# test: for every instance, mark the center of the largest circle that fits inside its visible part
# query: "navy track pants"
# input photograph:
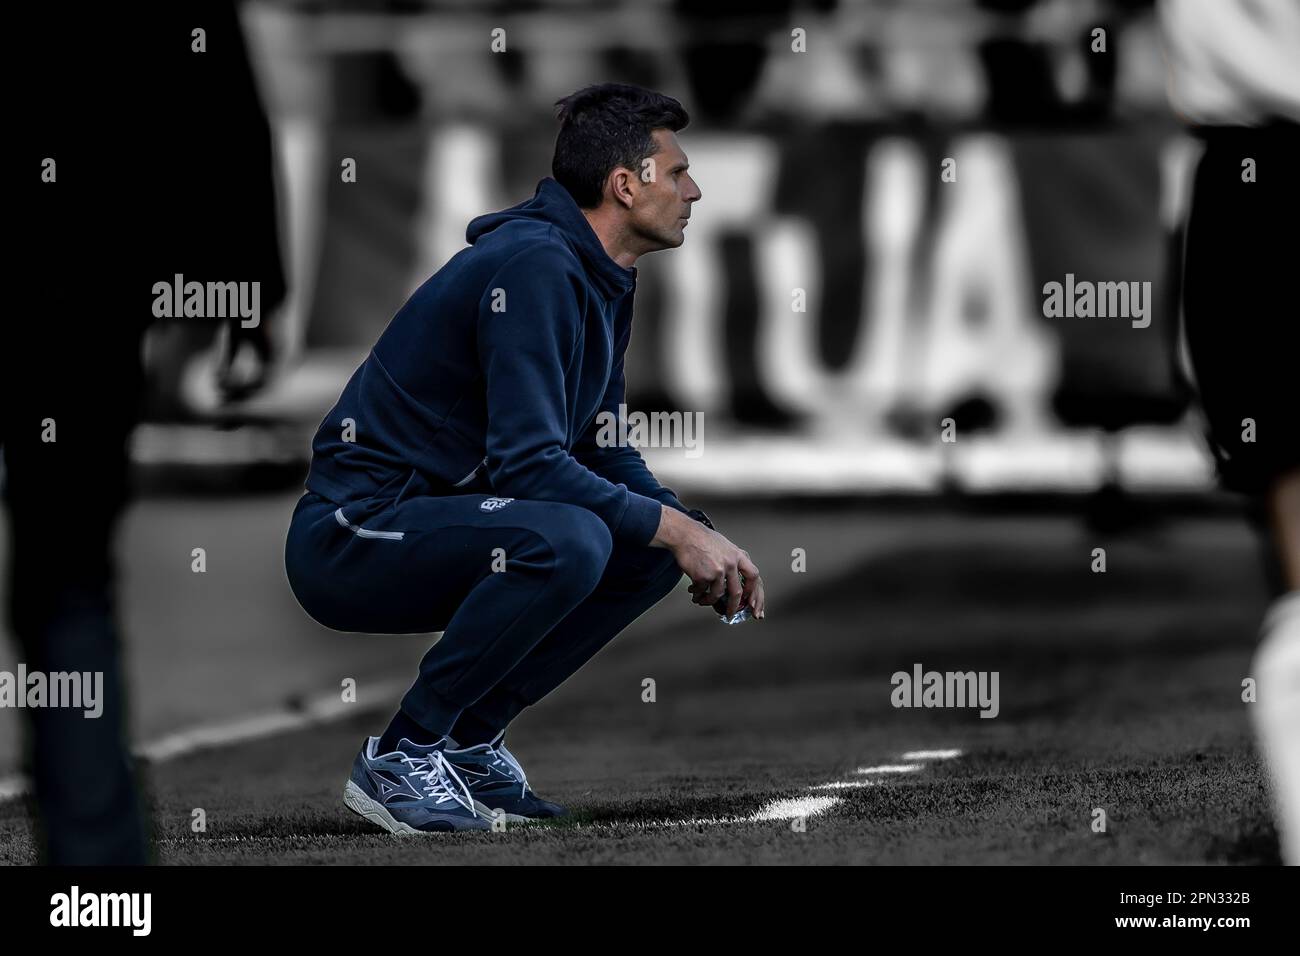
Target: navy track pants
(525, 592)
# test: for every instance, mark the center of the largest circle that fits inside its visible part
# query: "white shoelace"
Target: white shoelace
(515, 766)
(439, 775)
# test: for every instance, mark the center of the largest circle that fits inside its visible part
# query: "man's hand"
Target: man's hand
(713, 563)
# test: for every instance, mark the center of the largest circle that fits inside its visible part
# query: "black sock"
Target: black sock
(469, 730)
(402, 726)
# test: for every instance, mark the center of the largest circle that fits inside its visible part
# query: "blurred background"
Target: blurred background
(820, 172)
(819, 132)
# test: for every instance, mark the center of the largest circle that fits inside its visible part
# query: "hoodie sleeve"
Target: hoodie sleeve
(525, 351)
(620, 463)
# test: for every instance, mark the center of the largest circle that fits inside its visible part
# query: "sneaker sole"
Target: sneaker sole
(356, 800)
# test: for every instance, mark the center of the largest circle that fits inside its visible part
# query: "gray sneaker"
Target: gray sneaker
(497, 783)
(412, 790)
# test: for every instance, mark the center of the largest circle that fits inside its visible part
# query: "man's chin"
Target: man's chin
(670, 241)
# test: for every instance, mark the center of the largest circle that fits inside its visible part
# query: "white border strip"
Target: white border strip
(361, 532)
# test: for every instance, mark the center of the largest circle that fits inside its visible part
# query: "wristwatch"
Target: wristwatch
(701, 517)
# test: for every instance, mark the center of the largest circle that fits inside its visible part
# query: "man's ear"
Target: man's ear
(623, 186)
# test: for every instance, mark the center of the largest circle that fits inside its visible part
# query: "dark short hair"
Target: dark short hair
(604, 127)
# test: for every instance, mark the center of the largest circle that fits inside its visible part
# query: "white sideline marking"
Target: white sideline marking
(198, 738)
(787, 808)
(890, 768)
(329, 707)
(931, 754)
(322, 709)
(793, 807)
(911, 755)
(843, 785)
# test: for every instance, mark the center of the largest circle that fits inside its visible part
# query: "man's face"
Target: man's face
(664, 194)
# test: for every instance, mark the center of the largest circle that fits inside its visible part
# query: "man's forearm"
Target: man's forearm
(625, 466)
(675, 525)
(670, 532)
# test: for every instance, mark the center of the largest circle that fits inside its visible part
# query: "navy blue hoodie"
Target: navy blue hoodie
(489, 379)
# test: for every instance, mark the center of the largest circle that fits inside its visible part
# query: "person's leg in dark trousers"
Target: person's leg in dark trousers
(64, 498)
(63, 614)
(635, 580)
(497, 583)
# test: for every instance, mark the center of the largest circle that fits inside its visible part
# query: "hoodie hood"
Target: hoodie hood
(552, 204)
